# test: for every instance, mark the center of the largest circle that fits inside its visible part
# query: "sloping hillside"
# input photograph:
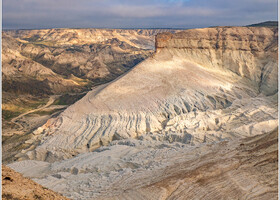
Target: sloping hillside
(63, 63)
(202, 85)
(16, 187)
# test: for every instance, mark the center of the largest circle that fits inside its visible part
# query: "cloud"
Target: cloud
(135, 13)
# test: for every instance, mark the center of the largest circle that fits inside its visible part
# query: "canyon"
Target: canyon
(196, 119)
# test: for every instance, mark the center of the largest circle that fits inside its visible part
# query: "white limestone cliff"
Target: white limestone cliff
(201, 85)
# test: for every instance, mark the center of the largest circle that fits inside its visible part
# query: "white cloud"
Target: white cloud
(134, 13)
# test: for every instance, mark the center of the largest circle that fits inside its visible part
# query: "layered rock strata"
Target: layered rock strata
(201, 85)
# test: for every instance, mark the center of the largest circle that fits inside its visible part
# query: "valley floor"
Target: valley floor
(17, 129)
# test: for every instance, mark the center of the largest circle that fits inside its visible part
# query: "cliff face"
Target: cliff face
(195, 120)
(249, 52)
(202, 85)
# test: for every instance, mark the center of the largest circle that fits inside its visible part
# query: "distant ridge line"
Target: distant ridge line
(261, 24)
(264, 24)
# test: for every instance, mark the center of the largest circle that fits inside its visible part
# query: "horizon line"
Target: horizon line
(174, 28)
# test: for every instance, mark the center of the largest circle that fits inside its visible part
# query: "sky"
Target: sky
(37, 14)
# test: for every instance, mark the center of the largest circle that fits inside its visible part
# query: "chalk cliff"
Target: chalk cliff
(247, 51)
(201, 85)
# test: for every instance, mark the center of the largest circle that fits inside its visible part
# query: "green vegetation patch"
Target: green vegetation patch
(68, 99)
(15, 107)
(8, 114)
(47, 112)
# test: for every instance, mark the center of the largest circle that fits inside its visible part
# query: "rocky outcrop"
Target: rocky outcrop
(202, 85)
(15, 186)
(248, 52)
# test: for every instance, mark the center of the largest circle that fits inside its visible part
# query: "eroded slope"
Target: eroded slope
(38, 64)
(202, 85)
(133, 169)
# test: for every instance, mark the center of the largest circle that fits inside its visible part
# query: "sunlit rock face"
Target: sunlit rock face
(201, 85)
(197, 120)
(249, 52)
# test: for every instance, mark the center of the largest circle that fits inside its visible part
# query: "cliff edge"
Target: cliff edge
(201, 85)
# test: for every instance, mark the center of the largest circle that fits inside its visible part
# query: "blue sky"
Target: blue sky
(32, 14)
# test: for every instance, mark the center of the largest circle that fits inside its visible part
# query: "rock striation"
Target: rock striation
(134, 169)
(40, 63)
(201, 85)
(37, 64)
(248, 52)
